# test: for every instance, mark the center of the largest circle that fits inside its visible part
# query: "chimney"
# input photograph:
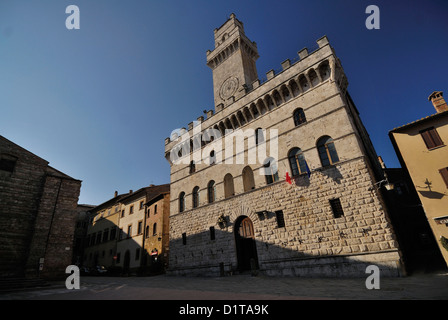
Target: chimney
(115, 194)
(438, 101)
(130, 191)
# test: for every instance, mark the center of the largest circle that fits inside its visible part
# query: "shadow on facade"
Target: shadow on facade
(417, 242)
(223, 253)
(120, 254)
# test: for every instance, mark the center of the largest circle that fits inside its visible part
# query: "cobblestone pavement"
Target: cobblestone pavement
(241, 287)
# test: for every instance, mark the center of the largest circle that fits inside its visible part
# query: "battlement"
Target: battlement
(296, 77)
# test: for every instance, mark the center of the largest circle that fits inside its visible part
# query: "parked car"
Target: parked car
(100, 270)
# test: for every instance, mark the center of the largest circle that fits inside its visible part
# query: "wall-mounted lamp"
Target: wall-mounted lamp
(222, 222)
(389, 186)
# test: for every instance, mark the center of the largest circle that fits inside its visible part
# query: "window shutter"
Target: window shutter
(444, 174)
(427, 138)
(435, 137)
(431, 138)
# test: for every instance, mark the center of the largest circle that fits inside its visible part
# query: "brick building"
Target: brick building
(37, 214)
(298, 193)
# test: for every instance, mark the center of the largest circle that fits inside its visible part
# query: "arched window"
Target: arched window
(154, 229)
(211, 191)
(195, 194)
(270, 170)
(297, 161)
(228, 186)
(299, 117)
(324, 70)
(182, 202)
(313, 77)
(303, 82)
(248, 179)
(327, 151)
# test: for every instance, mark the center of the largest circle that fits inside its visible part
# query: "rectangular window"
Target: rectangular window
(140, 227)
(106, 235)
(122, 213)
(7, 163)
(431, 138)
(280, 219)
(212, 233)
(129, 230)
(98, 237)
(444, 174)
(113, 232)
(184, 238)
(137, 254)
(92, 239)
(336, 207)
(131, 210)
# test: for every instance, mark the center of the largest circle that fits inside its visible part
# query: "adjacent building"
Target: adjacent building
(281, 177)
(157, 230)
(126, 232)
(38, 212)
(80, 236)
(422, 151)
(103, 232)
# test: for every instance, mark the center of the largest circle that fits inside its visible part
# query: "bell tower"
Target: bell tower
(232, 62)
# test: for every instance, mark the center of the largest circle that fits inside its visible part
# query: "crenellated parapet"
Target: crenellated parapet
(296, 78)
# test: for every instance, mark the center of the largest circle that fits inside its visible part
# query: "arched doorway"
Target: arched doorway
(246, 248)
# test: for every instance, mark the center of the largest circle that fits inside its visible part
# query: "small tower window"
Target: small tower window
(299, 117)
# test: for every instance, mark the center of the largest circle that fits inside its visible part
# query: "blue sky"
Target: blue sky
(98, 102)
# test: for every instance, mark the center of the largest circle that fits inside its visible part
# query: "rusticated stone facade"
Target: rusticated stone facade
(309, 204)
(37, 215)
(312, 241)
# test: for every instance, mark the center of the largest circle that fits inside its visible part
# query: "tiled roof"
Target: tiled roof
(433, 116)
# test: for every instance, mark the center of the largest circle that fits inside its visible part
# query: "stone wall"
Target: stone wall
(19, 198)
(37, 214)
(54, 228)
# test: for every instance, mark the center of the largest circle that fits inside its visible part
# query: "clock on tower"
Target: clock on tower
(232, 61)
